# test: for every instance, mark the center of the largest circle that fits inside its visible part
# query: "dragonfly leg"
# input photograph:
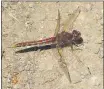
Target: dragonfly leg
(71, 47)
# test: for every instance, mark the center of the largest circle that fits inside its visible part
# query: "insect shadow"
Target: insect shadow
(46, 47)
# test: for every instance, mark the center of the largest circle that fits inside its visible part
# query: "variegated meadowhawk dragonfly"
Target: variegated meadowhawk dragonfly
(59, 40)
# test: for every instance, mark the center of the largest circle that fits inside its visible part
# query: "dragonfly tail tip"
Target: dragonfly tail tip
(14, 46)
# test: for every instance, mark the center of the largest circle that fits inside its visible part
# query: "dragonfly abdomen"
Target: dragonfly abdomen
(29, 43)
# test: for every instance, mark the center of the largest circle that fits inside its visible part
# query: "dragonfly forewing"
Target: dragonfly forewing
(68, 23)
(57, 25)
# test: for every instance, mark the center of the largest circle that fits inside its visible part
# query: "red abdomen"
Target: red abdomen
(29, 43)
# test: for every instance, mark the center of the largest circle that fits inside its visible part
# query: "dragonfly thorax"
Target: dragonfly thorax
(64, 39)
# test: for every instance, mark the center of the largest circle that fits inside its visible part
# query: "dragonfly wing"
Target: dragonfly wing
(58, 24)
(68, 24)
(81, 62)
(63, 64)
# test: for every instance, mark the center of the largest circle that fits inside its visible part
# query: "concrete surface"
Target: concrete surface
(27, 21)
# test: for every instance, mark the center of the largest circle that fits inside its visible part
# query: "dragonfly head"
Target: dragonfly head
(77, 39)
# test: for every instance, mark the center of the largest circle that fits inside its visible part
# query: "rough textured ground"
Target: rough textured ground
(23, 21)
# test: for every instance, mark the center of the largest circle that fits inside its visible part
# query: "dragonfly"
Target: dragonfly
(59, 40)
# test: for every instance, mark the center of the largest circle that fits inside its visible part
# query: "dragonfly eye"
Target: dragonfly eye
(76, 33)
(78, 40)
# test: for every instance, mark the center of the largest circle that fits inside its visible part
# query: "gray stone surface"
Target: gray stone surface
(26, 21)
